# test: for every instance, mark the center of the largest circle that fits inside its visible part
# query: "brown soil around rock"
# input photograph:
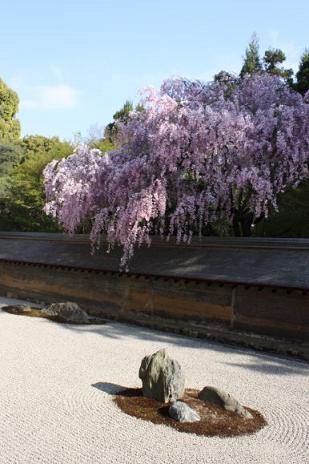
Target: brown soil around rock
(35, 312)
(214, 420)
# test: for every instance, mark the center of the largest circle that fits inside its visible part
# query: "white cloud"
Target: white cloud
(50, 97)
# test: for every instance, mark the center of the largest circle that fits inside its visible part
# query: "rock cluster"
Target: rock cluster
(163, 380)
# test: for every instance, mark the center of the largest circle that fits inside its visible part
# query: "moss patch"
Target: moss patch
(214, 420)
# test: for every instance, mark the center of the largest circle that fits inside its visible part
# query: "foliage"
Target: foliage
(123, 114)
(36, 144)
(252, 62)
(10, 155)
(224, 77)
(105, 145)
(270, 63)
(274, 57)
(9, 126)
(22, 202)
(302, 75)
(196, 155)
(292, 219)
(121, 117)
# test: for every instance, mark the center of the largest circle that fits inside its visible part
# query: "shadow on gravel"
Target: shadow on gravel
(107, 387)
(277, 366)
(262, 362)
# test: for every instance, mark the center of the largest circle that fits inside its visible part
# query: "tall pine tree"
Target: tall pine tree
(252, 62)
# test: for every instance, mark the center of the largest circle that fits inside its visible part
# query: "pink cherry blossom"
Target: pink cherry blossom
(198, 153)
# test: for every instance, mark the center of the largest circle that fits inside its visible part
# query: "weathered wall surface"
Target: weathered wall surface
(120, 296)
(258, 261)
(228, 309)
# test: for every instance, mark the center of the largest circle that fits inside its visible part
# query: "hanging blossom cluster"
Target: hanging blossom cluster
(195, 154)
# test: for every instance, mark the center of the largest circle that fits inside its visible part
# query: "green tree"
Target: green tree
(10, 155)
(302, 75)
(272, 59)
(252, 62)
(9, 125)
(224, 77)
(22, 202)
(271, 62)
(121, 116)
(95, 139)
(23, 198)
(292, 219)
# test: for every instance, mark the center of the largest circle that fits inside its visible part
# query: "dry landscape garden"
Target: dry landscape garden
(154, 278)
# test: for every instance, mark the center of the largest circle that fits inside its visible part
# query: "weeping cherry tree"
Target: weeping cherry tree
(197, 154)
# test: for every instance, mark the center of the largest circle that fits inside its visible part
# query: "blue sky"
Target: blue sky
(74, 63)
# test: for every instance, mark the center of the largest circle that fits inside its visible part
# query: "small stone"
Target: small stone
(162, 377)
(223, 400)
(181, 412)
(67, 312)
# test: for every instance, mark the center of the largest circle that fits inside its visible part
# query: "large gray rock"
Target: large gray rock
(181, 412)
(224, 400)
(67, 312)
(162, 377)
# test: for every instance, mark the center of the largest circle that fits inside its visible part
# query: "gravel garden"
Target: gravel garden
(64, 397)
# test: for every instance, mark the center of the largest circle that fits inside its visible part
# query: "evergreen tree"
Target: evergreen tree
(302, 75)
(224, 77)
(272, 59)
(121, 116)
(252, 62)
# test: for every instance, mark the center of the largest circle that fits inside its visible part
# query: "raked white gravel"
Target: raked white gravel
(56, 405)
